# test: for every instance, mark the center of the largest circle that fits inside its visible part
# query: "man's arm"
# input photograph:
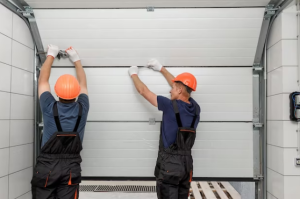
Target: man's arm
(141, 87)
(43, 84)
(169, 77)
(74, 57)
(155, 65)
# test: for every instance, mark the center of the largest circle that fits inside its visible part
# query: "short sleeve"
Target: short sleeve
(84, 100)
(46, 100)
(163, 103)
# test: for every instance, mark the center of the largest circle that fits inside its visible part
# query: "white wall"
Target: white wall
(16, 106)
(283, 177)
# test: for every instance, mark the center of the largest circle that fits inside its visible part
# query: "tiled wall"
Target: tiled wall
(283, 177)
(16, 106)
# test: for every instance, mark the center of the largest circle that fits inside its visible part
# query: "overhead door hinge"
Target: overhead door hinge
(151, 121)
(258, 125)
(28, 13)
(150, 9)
(259, 177)
(257, 67)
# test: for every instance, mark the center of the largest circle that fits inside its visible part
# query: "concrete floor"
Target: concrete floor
(91, 195)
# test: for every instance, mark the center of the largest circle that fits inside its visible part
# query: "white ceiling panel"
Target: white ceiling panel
(177, 37)
(143, 3)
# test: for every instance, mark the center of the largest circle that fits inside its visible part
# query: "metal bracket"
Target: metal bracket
(260, 177)
(151, 121)
(258, 125)
(28, 13)
(257, 67)
(270, 11)
(150, 9)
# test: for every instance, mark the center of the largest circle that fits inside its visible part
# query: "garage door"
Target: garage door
(217, 48)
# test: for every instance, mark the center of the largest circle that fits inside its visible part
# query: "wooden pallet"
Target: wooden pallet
(213, 190)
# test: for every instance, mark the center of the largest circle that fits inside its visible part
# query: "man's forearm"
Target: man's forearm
(139, 85)
(80, 73)
(46, 69)
(169, 77)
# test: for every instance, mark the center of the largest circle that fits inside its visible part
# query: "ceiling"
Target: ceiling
(144, 3)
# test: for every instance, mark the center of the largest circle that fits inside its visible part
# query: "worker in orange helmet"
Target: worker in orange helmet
(181, 115)
(57, 173)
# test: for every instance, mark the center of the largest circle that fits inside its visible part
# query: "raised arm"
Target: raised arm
(74, 57)
(141, 87)
(43, 84)
(155, 65)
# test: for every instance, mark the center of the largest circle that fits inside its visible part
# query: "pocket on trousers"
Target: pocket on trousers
(75, 176)
(40, 177)
(171, 177)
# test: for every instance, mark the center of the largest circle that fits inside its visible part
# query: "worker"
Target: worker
(181, 115)
(57, 173)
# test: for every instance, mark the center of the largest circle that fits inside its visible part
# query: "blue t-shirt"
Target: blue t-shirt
(169, 123)
(68, 114)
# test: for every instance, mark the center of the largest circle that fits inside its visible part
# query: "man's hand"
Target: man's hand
(52, 50)
(154, 64)
(133, 70)
(73, 55)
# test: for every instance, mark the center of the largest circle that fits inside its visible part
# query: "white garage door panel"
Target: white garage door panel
(225, 94)
(143, 3)
(181, 13)
(124, 37)
(130, 149)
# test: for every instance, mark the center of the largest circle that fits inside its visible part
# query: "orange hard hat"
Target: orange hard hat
(187, 79)
(67, 87)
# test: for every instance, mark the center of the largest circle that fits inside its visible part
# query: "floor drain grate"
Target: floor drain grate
(126, 188)
(87, 188)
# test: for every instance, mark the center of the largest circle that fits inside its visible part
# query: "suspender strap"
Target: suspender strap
(195, 117)
(176, 110)
(56, 118)
(79, 117)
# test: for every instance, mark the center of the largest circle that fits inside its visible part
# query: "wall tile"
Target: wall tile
(22, 82)
(21, 157)
(4, 157)
(4, 133)
(275, 184)
(4, 187)
(289, 79)
(21, 180)
(283, 53)
(278, 107)
(291, 187)
(21, 32)
(5, 49)
(4, 105)
(5, 21)
(275, 83)
(22, 56)
(289, 53)
(5, 77)
(282, 133)
(21, 132)
(289, 21)
(270, 196)
(275, 159)
(276, 31)
(26, 196)
(22, 107)
(282, 80)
